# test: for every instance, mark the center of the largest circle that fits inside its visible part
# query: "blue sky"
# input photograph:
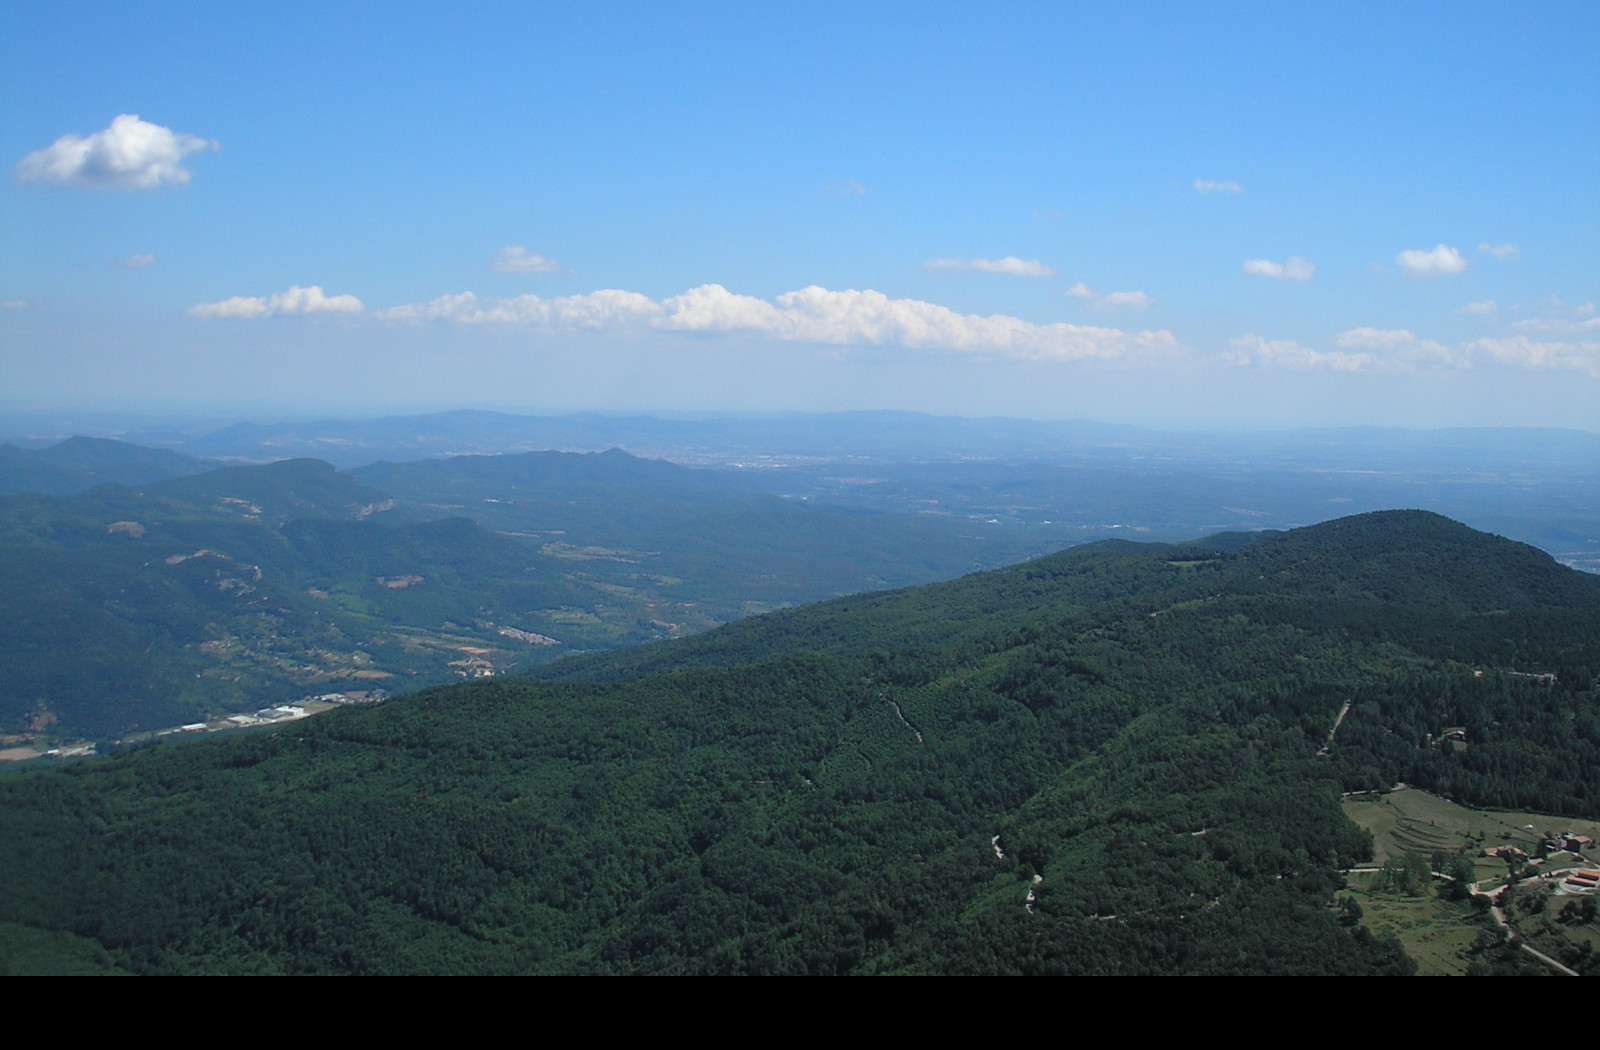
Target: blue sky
(1239, 215)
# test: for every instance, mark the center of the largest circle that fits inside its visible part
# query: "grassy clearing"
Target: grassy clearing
(1409, 819)
(1438, 933)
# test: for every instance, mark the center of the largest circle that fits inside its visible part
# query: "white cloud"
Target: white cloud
(296, 300)
(1123, 301)
(607, 308)
(1500, 251)
(1208, 186)
(1286, 353)
(844, 188)
(131, 154)
(514, 258)
(1111, 300)
(810, 315)
(1401, 347)
(136, 262)
(1293, 268)
(1443, 259)
(1482, 306)
(14, 304)
(819, 315)
(1521, 351)
(1011, 266)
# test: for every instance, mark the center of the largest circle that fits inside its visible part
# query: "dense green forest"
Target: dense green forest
(1111, 760)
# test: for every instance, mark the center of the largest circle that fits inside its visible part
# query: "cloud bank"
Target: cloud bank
(1293, 268)
(810, 315)
(1011, 266)
(131, 154)
(608, 308)
(295, 301)
(1391, 350)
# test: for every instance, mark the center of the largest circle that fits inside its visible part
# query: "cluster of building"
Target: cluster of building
(352, 696)
(473, 667)
(266, 716)
(1570, 842)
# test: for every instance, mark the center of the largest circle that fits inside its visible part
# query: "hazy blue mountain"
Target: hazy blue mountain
(80, 463)
(1065, 482)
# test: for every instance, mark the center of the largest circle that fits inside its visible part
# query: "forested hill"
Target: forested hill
(1394, 570)
(80, 463)
(1113, 760)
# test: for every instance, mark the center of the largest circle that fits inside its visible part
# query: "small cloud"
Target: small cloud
(1109, 301)
(844, 188)
(1443, 259)
(1124, 301)
(14, 304)
(1293, 268)
(1500, 251)
(514, 258)
(1482, 306)
(1208, 186)
(131, 154)
(296, 301)
(135, 262)
(1011, 266)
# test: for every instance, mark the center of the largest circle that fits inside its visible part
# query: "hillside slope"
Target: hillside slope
(1106, 761)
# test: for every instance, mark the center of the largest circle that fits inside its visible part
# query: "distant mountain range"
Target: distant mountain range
(1062, 482)
(145, 588)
